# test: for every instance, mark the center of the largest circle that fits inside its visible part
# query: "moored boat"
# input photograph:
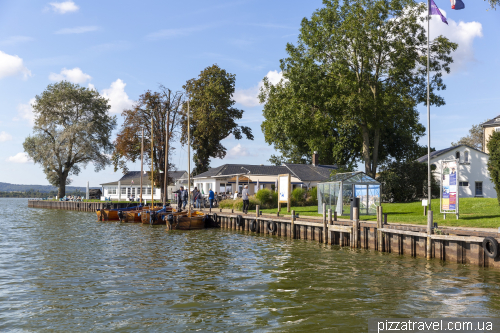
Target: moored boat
(119, 214)
(186, 221)
(156, 216)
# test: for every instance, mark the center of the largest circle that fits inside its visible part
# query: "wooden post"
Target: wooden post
(330, 217)
(355, 224)
(335, 216)
(257, 211)
(429, 233)
(379, 226)
(325, 225)
(293, 224)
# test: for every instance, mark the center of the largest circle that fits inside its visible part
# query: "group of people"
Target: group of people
(196, 195)
(72, 198)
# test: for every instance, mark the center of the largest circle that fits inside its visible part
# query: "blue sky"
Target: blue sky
(123, 48)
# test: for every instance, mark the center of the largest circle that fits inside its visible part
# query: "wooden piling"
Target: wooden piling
(429, 233)
(325, 227)
(379, 226)
(293, 224)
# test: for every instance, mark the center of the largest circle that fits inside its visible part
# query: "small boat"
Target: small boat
(119, 214)
(186, 221)
(156, 216)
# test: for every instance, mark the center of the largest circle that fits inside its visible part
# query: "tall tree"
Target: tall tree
(213, 116)
(354, 81)
(72, 128)
(494, 161)
(156, 106)
(474, 139)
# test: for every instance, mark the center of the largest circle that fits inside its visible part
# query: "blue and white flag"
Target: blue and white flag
(457, 4)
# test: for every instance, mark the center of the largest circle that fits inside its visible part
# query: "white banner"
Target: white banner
(449, 186)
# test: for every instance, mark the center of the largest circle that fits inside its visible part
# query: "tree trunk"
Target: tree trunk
(366, 148)
(62, 189)
(376, 141)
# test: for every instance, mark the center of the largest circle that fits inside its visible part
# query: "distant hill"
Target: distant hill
(6, 187)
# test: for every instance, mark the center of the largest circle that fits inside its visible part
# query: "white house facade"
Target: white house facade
(473, 176)
(129, 186)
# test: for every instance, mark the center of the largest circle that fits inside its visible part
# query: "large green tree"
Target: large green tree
(352, 84)
(164, 108)
(72, 128)
(213, 116)
(494, 161)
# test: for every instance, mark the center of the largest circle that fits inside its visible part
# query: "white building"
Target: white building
(229, 178)
(129, 186)
(473, 178)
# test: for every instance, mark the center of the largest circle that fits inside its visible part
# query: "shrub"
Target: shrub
(494, 161)
(226, 204)
(312, 196)
(298, 197)
(253, 202)
(265, 197)
(274, 200)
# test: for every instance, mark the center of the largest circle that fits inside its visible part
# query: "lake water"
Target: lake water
(62, 271)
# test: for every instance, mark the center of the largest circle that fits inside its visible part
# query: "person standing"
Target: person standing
(196, 198)
(246, 201)
(179, 198)
(185, 197)
(211, 197)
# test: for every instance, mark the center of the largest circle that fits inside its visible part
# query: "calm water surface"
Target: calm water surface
(61, 271)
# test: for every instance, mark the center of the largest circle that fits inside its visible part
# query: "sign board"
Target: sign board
(449, 186)
(284, 184)
(424, 202)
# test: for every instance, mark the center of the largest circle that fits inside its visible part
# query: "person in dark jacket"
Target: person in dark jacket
(179, 198)
(246, 201)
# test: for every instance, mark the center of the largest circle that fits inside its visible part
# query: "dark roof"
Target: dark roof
(136, 177)
(436, 153)
(492, 122)
(304, 172)
(309, 172)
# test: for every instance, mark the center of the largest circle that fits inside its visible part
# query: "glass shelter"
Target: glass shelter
(341, 187)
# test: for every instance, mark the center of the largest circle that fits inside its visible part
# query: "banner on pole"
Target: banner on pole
(449, 186)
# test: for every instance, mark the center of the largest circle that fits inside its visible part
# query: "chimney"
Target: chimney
(315, 158)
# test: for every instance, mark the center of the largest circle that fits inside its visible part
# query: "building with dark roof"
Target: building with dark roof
(228, 178)
(128, 186)
(473, 176)
(489, 128)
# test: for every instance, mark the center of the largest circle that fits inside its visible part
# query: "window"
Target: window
(123, 190)
(466, 157)
(479, 189)
(148, 190)
(463, 184)
(497, 129)
(111, 190)
(457, 155)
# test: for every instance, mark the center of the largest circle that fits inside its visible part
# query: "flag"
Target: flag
(457, 4)
(434, 10)
(132, 181)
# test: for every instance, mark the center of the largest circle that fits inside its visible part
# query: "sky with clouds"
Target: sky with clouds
(123, 48)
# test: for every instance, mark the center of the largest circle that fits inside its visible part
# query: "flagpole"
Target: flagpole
(428, 111)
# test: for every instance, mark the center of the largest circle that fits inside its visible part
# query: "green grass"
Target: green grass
(474, 213)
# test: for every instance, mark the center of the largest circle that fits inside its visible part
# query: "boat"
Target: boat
(156, 216)
(129, 214)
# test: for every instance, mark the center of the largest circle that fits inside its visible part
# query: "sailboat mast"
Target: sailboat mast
(165, 180)
(152, 167)
(142, 158)
(189, 163)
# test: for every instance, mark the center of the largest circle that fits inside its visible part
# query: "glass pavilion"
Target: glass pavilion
(346, 186)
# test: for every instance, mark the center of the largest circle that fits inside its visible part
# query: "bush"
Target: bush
(312, 196)
(265, 197)
(253, 202)
(226, 204)
(494, 161)
(298, 197)
(406, 182)
(274, 200)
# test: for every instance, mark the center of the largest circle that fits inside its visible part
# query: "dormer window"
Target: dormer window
(497, 120)
(457, 155)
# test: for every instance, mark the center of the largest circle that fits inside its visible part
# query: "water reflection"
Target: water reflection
(63, 271)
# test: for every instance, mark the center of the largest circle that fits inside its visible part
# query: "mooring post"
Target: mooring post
(379, 226)
(330, 218)
(355, 225)
(429, 233)
(293, 224)
(257, 209)
(325, 231)
(335, 216)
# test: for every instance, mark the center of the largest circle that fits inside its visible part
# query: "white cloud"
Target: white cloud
(248, 97)
(4, 136)
(237, 151)
(77, 30)
(64, 7)
(19, 158)
(462, 33)
(74, 75)
(11, 65)
(117, 96)
(25, 112)
(16, 39)
(92, 87)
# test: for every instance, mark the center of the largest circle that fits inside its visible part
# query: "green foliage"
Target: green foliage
(474, 139)
(299, 196)
(238, 203)
(354, 81)
(494, 161)
(265, 197)
(72, 128)
(406, 182)
(312, 197)
(212, 116)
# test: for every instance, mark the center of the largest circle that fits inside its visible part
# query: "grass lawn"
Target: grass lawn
(474, 213)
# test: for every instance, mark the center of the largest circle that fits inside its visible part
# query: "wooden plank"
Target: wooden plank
(339, 228)
(459, 238)
(403, 232)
